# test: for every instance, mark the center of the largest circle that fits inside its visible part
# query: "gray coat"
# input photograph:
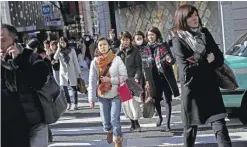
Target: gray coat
(68, 72)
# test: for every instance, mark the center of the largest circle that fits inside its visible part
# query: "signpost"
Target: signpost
(46, 10)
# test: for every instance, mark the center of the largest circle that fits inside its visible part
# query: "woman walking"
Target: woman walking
(198, 56)
(107, 71)
(140, 42)
(55, 63)
(157, 62)
(69, 69)
(132, 60)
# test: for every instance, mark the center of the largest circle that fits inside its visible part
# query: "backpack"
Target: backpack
(52, 99)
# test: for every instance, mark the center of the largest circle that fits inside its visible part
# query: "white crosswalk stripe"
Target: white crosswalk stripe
(95, 127)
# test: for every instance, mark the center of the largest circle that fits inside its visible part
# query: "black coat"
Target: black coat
(201, 98)
(14, 125)
(29, 74)
(161, 82)
(132, 60)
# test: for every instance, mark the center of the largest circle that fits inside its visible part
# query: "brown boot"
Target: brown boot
(109, 136)
(117, 141)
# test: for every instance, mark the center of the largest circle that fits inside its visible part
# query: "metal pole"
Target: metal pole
(222, 26)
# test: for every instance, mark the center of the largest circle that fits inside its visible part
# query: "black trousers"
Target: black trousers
(75, 95)
(167, 98)
(220, 131)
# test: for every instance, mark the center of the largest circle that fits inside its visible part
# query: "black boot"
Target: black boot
(133, 126)
(137, 125)
(50, 137)
(168, 115)
(159, 122)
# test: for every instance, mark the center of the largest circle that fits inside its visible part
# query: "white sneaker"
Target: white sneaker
(69, 106)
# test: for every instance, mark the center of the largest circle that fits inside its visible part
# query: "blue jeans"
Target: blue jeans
(110, 110)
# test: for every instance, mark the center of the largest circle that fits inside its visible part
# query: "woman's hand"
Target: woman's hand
(210, 57)
(92, 104)
(53, 62)
(147, 85)
(105, 79)
(168, 58)
(137, 81)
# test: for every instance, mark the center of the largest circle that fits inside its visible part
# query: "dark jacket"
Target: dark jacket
(132, 61)
(201, 98)
(14, 125)
(158, 81)
(29, 76)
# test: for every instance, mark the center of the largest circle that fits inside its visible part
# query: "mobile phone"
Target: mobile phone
(192, 59)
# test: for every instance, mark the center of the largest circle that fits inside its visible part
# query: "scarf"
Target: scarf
(196, 40)
(102, 63)
(153, 54)
(65, 52)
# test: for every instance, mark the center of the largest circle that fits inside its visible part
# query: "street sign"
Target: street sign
(46, 10)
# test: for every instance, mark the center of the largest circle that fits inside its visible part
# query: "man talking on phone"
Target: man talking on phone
(22, 119)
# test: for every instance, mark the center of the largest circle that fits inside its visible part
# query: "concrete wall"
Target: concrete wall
(161, 14)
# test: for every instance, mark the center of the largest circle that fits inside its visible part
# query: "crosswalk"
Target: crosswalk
(84, 128)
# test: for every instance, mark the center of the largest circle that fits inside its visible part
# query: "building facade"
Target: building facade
(27, 17)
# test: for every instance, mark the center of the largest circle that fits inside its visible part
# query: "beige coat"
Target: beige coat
(68, 72)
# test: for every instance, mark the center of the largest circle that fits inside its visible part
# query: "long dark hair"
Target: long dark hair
(182, 14)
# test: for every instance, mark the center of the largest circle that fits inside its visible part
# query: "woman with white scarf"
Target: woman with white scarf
(69, 69)
(197, 56)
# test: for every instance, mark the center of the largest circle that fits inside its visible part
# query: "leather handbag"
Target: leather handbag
(123, 91)
(226, 78)
(81, 87)
(52, 99)
(134, 87)
(148, 107)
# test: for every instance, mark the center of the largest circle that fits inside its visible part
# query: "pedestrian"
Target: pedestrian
(34, 45)
(83, 65)
(131, 58)
(55, 63)
(198, 56)
(89, 49)
(47, 48)
(140, 42)
(157, 61)
(22, 122)
(107, 71)
(114, 41)
(69, 69)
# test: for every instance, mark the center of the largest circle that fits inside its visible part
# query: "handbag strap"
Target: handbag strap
(106, 70)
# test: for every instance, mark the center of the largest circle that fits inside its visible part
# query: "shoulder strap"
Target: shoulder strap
(107, 69)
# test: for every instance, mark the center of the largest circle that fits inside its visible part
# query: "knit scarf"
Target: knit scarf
(157, 57)
(65, 52)
(102, 63)
(195, 41)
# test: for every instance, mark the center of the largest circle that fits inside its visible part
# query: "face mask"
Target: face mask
(87, 39)
(139, 42)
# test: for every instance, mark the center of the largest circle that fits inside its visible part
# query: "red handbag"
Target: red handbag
(124, 91)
